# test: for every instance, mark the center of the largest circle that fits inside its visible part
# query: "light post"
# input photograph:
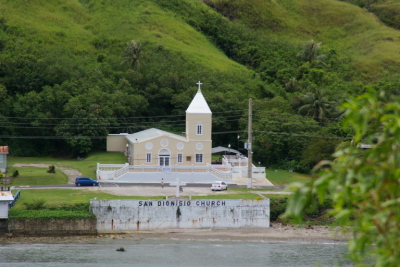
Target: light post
(238, 137)
(229, 154)
(127, 153)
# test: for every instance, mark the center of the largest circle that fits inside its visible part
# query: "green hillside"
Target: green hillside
(342, 27)
(73, 71)
(91, 26)
(388, 11)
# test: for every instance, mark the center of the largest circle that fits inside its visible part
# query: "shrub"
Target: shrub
(52, 169)
(15, 173)
(36, 204)
(81, 207)
(277, 208)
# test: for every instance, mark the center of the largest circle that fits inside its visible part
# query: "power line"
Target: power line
(214, 133)
(96, 118)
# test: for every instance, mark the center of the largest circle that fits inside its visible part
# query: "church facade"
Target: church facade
(155, 147)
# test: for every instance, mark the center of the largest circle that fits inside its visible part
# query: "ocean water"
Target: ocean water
(170, 252)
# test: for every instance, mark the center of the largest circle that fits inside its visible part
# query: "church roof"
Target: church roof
(219, 149)
(198, 105)
(150, 134)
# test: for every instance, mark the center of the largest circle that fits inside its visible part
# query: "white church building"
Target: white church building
(154, 154)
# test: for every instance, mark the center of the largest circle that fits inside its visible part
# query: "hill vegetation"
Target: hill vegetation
(388, 11)
(73, 71)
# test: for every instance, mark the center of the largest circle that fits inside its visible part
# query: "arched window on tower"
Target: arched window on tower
(199, 128)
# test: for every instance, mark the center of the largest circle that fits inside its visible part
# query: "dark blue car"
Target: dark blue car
(83, 180)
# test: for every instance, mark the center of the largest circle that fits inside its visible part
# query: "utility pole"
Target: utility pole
(249, 141)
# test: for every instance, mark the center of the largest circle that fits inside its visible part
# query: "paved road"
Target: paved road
(152, 189)
(113, 185)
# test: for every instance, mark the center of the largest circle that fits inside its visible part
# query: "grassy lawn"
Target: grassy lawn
(37, 176)
(87, 166)
(275, 196)
(72, 196)
(239, 195)
(283, 177)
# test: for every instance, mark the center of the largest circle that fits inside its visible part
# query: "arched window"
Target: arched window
(199, 128)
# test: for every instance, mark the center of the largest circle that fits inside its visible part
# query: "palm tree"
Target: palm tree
(317, 106)
(131, 53)
(310, 53)
(292, 85)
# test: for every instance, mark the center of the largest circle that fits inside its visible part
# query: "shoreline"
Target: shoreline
(276, 233)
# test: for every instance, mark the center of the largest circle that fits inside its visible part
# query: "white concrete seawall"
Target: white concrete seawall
(136, 215)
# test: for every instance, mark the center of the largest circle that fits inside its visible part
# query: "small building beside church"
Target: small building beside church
(157, 147)
(3, 158)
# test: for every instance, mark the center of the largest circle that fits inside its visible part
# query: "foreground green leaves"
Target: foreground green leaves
(364, 184)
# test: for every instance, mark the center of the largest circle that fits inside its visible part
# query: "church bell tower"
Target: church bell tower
(199, 124)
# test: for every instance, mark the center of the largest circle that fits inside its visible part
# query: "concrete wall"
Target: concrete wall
(4, 209)
(136, 215)
(52, 227)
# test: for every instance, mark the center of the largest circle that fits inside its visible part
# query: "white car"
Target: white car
(219, 186)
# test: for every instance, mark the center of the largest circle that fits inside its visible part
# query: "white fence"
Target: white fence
(232, 167)
(239, 168)
(113, 171)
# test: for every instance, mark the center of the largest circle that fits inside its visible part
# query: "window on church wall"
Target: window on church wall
(180, 158)
(199, 158)
(148, 157)
(199, 129)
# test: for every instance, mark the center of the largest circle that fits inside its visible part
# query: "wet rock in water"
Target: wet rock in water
(121, 249)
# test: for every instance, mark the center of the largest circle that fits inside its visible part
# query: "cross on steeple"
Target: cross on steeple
(199, 83)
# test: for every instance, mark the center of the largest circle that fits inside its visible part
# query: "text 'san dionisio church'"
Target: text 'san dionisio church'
(154, 154)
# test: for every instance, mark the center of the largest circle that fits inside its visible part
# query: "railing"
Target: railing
(220, 174)
(228, 170)
(236, 161)
(111, 171)
(16, 197)
(169, 169)
(110, 167)
(121, 171)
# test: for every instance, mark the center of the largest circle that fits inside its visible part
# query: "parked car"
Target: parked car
(218, 185)
(83, 180)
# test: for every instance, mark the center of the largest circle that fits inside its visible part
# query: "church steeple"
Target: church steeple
(198, 118)
(199, 104)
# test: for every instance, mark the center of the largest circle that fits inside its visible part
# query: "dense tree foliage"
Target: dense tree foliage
(364, 184)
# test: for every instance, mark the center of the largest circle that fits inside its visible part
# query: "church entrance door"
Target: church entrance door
(164, 157)
(164, 160)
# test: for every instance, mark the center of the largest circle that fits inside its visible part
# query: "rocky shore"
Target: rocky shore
(276, 233)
